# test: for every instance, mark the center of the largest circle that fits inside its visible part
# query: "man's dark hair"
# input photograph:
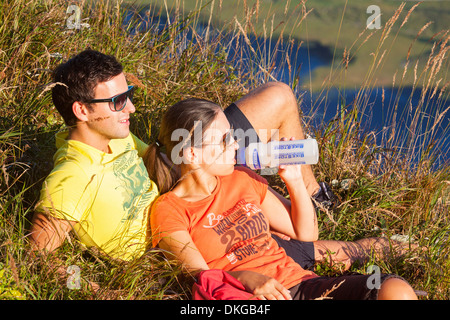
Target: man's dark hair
(78, 78)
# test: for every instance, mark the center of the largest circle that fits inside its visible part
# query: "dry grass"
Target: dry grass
(400, 183)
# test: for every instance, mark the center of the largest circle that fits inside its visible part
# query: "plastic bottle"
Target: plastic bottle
(275, 153)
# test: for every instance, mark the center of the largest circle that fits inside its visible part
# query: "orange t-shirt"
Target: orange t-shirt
(229, 228)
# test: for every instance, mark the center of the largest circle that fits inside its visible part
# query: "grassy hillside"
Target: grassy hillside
(382, 192)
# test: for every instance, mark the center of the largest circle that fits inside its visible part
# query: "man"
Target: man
(99, 187)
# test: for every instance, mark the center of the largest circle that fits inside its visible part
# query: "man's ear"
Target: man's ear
(80, 110)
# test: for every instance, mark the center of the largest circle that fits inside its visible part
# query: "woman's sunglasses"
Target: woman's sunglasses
(118, 102)
(227, 140)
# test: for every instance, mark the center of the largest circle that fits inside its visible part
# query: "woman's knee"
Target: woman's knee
(396, 289)
(274, 97)
(282, 96)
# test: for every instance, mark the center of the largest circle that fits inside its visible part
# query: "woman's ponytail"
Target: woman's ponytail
(160, 169)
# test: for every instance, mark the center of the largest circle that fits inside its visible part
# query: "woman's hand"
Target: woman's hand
(290, 173)
(301, 221)
(263, 287)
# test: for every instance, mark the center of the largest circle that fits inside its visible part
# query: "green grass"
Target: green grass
(389, 193)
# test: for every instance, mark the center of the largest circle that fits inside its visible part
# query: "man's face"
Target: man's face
(105, 124)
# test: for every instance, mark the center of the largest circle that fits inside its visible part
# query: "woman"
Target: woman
(217, 216)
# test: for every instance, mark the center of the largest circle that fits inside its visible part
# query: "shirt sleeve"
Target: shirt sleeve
(65, 193)
(166, 218)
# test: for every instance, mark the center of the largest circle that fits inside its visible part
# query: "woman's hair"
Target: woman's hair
(185, 115)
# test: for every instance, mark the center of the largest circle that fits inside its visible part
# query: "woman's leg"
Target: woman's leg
(345, 253)
(396, 289)
(354, 287)
(339, 253)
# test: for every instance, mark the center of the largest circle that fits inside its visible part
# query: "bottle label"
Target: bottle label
(294, 163)
(288, 146)
(256, 163)
(289, 155)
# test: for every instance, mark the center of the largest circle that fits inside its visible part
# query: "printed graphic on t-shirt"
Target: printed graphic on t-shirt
(135, 183)
(243, 229)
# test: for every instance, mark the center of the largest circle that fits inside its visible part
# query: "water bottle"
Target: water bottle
(260, 155)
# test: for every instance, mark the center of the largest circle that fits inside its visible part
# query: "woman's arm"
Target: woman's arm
(180, 245)
(297, 218)
(303, 214)
(263, 287)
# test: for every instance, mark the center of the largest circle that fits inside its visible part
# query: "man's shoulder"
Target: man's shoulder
(84, 160)
(72, 156)
(67, 171)
(72, 159)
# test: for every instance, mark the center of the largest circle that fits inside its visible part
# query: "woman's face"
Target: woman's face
(218, 149)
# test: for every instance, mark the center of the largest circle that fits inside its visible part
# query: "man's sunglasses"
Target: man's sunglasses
(117, 103)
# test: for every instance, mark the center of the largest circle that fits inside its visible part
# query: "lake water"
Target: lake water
(376, 115)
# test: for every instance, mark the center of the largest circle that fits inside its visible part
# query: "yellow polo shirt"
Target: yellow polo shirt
(108, 194)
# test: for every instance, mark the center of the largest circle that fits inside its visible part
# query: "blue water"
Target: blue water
(375, 114)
